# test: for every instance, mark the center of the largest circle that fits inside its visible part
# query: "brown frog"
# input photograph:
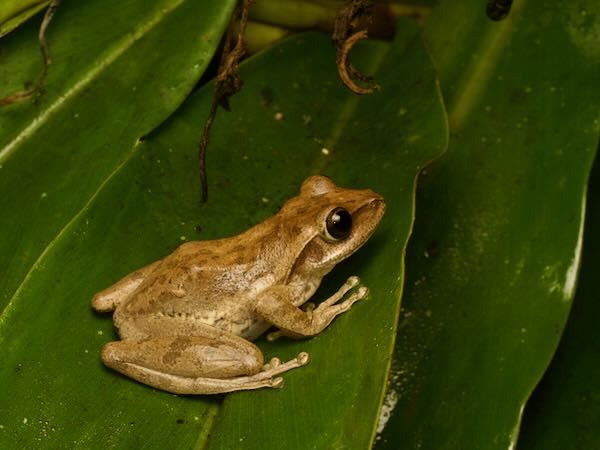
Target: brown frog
(186, 322)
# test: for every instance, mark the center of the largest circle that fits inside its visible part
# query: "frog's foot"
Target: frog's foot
(350, 283)
(276, 367)
(311, 308)
(297, 324)
(330, 311)
(360, 293)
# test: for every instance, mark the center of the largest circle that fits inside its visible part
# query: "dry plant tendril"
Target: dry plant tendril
(344, 37)
(227, 83)
(22, 95)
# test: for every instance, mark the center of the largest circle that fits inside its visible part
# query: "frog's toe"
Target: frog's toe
(303, 358)
(274, 335)
(362, 292)
(359, 294)
(275, 362)
(277, 383)
(353, 281)
(280, 367)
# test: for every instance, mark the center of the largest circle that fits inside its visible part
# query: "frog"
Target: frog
(187, 322)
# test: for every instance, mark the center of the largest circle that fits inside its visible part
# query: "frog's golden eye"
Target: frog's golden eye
(338, 224)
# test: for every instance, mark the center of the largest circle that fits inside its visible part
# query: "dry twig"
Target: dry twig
(22, 95)
(227, 83)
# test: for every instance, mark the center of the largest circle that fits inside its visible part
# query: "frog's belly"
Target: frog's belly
(244, 325)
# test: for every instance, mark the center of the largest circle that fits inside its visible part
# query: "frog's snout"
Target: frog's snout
(376, 205)
(367, 216)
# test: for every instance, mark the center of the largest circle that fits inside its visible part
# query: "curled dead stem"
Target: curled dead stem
(347, 71)
(22, 95)
(345, 37)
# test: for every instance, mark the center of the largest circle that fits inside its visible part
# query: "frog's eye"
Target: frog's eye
(338, 224)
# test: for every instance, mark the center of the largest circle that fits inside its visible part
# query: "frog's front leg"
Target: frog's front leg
(196, 364)
(277, 306)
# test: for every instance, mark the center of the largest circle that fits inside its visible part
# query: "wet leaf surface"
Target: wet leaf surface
(118, 70)
(55, 390)
(13, 13)
(564, 409)
(492, 264)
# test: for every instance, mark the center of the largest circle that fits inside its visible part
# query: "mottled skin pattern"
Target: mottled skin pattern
(186, 321)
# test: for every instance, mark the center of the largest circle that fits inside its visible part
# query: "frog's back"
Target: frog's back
(212, 281)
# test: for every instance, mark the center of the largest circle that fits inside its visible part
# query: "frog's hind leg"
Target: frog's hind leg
(108, 299)
(196, 364)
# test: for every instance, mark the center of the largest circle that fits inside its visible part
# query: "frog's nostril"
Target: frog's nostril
(378, 204)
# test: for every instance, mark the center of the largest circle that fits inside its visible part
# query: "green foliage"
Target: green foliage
(13, 13)
(564, 409)
(491, 264)
(493, 260)
(112, 81)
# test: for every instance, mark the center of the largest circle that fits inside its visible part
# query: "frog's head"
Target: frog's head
(335, 222)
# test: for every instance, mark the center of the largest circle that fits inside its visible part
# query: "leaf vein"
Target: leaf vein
(108, 58)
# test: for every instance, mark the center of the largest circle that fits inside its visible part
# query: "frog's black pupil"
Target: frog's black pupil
(339, 223)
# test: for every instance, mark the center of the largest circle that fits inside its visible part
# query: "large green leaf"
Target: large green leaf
(492, 266)
(564, 409)
(119, 69)
(54, 390)
(381, 141)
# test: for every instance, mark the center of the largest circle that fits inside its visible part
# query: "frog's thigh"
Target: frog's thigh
(187, 356)
(195, 365)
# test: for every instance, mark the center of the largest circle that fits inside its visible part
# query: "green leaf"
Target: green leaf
(380, 141)
(15, 12)
(119, 69)
(54, 389)
(492, 265)
(564, 409)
